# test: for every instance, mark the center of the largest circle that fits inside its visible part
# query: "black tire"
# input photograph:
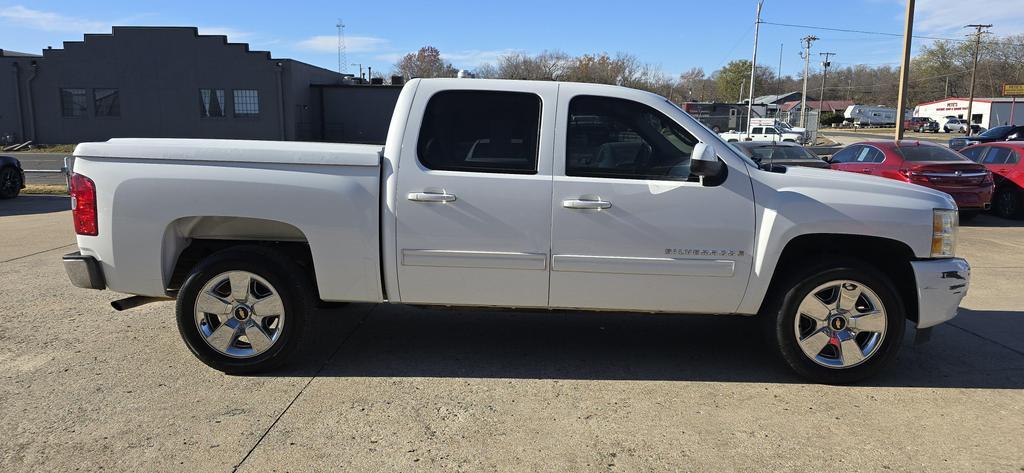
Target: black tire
(10, 182)
(287, 279)
(780, 312)
(1009, 202)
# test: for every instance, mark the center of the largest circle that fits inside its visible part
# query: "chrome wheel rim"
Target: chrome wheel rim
(239, 314)
(840, 324)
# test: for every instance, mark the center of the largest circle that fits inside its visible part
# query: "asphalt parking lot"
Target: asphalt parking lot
(398, 388)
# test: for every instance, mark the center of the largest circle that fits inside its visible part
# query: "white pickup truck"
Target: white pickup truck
(761, 131)
(515, 194)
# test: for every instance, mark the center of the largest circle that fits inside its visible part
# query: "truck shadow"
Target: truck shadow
(34, 204)
(401, 341)
(989, 220)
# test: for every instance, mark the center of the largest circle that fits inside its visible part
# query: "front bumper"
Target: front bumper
(84, 271)
(941, 285)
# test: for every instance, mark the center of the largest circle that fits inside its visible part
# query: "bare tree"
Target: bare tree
(427, 62)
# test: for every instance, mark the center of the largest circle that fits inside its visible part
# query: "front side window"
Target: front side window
(106, 102)
(617, 138)
(975, 153)
(211, 103)
(481, 131)
(72, 103)
(247, 103)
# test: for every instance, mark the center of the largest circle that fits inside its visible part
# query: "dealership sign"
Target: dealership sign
(1013, 89)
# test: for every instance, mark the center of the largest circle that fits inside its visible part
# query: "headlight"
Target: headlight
(944, 229)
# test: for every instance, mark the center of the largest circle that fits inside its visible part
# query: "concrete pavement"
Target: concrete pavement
(401, 388)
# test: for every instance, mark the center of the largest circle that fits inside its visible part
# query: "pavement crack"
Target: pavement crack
(38, 253)
(976, 334)
(303, 389)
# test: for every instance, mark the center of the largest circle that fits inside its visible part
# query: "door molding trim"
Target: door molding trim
(654, 266)
(475, 259)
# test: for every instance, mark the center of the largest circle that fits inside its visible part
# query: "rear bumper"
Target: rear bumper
(941, 285)
(84, 271)
(970, 198)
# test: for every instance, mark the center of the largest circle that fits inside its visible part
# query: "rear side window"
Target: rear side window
(481, 131)
(998, 155)
(928, 153)
(617, 138)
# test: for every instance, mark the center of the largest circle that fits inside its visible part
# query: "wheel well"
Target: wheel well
(199, 249)
(891, 257)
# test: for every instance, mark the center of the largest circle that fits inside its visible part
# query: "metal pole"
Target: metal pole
(1013, 104)
(807, 40)
(742, 85)
(779, 75)
(753, 64)
(974, 72)
(824, 75)
(908, 32)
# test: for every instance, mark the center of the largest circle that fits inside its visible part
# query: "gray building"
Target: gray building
(158, 82)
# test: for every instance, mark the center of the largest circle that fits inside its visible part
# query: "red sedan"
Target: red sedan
(1004, 160)
(926, 164)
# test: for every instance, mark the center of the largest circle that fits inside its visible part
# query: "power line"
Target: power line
(878, 33)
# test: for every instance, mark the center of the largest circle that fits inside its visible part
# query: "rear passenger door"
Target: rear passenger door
(473, 200)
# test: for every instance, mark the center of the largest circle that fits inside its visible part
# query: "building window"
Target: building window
(211, 103)
(72, 103)
(106, 102)
(247, 103)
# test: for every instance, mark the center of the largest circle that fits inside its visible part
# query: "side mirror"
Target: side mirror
(704, 161)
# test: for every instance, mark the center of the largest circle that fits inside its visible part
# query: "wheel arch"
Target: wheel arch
(891, 257)
(188, 240)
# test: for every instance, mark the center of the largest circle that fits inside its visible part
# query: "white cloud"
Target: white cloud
(353, 44)
(49, 21)
(947, 18)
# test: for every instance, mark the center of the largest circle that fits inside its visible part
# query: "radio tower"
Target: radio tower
(341, 47)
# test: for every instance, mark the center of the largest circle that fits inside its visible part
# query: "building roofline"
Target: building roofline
(947, 99)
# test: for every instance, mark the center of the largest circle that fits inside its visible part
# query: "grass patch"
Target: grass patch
(46, 189)
(51, 149)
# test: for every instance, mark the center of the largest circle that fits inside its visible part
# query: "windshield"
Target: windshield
(766, 153)
(929, 153)
(996, 132)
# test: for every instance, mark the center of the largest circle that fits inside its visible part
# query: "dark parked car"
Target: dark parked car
(999, 133)
(12, 177)
(970, 184)
(781, 153)
(1004, 160)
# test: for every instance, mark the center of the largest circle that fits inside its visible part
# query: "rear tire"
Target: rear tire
(257, 306)
(1009, 202)
(10, 182)
(851, 338)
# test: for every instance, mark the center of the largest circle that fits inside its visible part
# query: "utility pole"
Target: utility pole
(946, 95)
(341, 46)
(742, 85)
(806, 56)
(360, 68)
(824, 74)
(974, 71)
(753, 64)
(901, 97)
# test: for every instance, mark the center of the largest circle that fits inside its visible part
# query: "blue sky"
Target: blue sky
(674, 35)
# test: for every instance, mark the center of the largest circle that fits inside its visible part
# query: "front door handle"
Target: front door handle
(431, 197)
(586, 204)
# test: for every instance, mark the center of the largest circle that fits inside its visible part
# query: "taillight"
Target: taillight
(912, 176)
(83, 205)
(988, 178)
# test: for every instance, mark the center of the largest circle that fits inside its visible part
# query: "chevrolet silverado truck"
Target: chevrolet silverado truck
(763, 132)
(521, 195)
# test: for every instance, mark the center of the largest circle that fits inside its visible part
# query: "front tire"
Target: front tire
(244, 310)
(839, 323)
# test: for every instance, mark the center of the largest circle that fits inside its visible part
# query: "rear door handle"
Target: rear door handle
(431, 197)
(585, 204)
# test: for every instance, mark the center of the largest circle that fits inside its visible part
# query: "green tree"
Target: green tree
(736, 75)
